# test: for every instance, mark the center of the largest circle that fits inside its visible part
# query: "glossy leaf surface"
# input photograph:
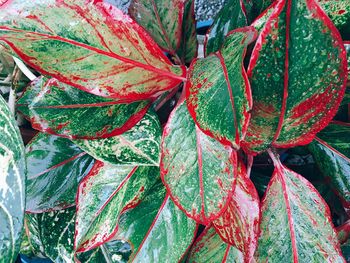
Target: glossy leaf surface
(239, 224)
(63, 110)
(12, 188)
(296, 224)
(137, 146)
(55, 166)
(298, 76)
(218, 92)
(103, 195)
(196, 169)
(209, 247)
(88, 44)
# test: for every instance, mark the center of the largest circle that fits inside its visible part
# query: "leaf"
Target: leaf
(65, 111)
(55, 166)
(239, 224)
(296, 220)
(123, 188)
(210, 248)
(12, 188)
(90, 45)
(218, 92)
(137, 146)
(298, 79)
(347, 48)
(198, 172)
(156, 229)
(230, 17)
(331, 152)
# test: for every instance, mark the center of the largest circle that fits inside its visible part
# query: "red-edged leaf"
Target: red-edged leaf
(218, 92)
(197, 170)
(239, 224)
(88, 44)
(296, 224)
(298, 75)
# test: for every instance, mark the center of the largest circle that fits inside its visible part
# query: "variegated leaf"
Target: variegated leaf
(103, 195)
(55, 167)
(137, 146)
(296, 224)
(68, 112)
(197, 170)
(90, 44)
(209, 247)
(298, 76)
(239, 224)
(12, 188)
(218, 92)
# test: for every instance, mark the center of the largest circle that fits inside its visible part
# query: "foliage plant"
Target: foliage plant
(145, 152)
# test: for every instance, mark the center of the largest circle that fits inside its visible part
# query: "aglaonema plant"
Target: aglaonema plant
(113, 175)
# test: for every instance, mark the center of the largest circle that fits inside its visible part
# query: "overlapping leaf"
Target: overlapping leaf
(12, 188)
(296, 224)
(197, 170)
(137, 146)
(105, 193)
(239, 224)
(88, 44)
(63, 110)
(298, 75)
(218, 92)
(55, 167)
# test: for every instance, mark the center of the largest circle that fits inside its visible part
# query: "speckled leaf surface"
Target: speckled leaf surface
(103, 195)
(209, 247)
(137, 146)
(230, 17)
(162, 234)
(63, 110)
(218, 92)
(331, 152)
(91, 45)
(197, 170)
(296, 224)
(12, 188)
(239, 224)
(347, 48)
(298, 76)
(55, 166)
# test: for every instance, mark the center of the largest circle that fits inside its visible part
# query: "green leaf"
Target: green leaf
(137, 146)
(12, 188)
(55, 167)
(65, 111)
(198, 171)
(331, 152)
(210, 248)
(239, 224)
(218, 91)
(122, 188)
(296, 224)
(90, 45)
(298, 76)
(156, 229)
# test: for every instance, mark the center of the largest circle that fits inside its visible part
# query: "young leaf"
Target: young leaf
(137, 146)
(296, 224)
(239, 224)
(157, 230)
(197, 170)
(54, 168)
(298, 76)
(88, 44)
(65, 111)
(122, 188)
(12, 188)
(209, 247)
(218, 92)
